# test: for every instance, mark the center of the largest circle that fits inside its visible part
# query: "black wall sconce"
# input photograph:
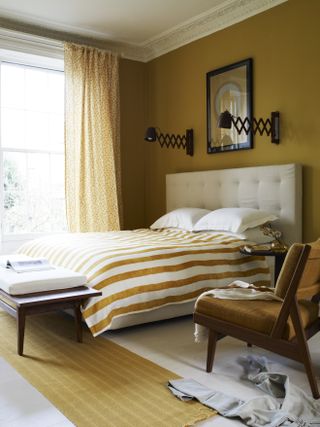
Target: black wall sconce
(268, 126)
(174, 141)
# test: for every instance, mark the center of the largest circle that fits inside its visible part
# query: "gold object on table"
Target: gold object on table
(277, 244)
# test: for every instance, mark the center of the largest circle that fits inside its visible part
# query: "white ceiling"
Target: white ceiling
(157, 26)
(134, 21)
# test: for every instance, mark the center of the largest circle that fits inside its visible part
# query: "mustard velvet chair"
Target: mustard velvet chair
(280, 327)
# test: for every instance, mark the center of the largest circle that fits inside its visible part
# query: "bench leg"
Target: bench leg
(78, 319)
(21, 320)
(212, 341)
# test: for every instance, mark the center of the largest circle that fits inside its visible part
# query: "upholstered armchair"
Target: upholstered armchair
(282, 327)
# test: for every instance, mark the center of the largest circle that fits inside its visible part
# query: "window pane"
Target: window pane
(37, 130)
(32, 108)
(36, 89)
(15, 193)
(56, 92)
(12, 86)
(12, 128)
(56, 131)
(33, 193)
(32, 143)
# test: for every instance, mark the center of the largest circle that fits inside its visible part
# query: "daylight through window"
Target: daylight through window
(32, 149)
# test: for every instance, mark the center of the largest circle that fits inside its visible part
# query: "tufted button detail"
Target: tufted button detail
(263, 188)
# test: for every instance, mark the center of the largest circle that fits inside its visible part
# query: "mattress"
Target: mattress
(142, 270)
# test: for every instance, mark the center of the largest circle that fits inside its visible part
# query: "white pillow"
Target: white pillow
(236, 220)
(253, 235)
(184, 218)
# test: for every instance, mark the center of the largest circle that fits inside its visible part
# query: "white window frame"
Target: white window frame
(25, 49)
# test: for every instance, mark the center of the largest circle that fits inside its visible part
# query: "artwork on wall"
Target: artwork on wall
(229, 88)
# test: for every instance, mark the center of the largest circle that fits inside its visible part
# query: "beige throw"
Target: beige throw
(237, 290)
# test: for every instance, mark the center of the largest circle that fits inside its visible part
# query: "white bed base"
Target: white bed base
(276, 189)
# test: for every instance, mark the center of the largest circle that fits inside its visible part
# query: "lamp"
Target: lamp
(268, 126)
(179, 141)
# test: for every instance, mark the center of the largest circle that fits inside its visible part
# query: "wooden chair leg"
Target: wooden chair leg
(21, 321)
(212, 340)
(304, 349)
(78, 320)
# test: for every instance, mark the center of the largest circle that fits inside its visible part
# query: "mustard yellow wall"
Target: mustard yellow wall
(284, 45)
(132, 90)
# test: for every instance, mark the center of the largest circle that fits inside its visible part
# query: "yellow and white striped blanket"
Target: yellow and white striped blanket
(143, 269)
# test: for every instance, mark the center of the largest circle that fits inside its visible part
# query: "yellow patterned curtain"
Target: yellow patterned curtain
(92, 139)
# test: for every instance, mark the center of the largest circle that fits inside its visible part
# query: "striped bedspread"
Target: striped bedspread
(142, 269)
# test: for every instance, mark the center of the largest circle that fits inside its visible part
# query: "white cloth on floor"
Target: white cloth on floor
(285, 404)
(237, 290)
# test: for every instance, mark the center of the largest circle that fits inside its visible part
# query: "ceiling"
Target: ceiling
(156, 25)
(134, 21)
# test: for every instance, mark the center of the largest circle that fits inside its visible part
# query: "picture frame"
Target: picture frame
(229, 88)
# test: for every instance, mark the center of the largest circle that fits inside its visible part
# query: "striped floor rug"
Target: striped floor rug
(96, 383)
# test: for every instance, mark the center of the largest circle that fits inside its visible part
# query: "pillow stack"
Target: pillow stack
(184, 218)
(242, 222)
(236, 220)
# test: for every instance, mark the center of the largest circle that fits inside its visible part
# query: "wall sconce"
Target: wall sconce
(269, 126)
(179, 141)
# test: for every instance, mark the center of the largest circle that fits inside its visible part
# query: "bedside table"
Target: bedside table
(279, 257)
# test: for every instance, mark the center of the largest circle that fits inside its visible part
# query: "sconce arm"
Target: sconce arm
(270, 126)
(177, 141)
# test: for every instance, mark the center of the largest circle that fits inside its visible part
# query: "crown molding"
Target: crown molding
(40, 40)
(21, 39)
(32, 44)
(225, 15)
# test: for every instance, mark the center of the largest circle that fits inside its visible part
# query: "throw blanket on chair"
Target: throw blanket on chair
(237, 290)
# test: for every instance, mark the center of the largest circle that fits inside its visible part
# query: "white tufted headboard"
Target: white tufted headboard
(276, 189)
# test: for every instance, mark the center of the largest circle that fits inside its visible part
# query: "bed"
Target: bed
(148, 275)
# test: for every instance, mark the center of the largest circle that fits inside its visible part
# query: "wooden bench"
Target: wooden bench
(21, 306)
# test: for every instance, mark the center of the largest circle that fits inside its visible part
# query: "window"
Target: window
(31, 150)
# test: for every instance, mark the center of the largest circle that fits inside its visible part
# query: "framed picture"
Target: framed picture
(229, 88)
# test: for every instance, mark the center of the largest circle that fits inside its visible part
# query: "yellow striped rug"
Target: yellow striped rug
(96, 383)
